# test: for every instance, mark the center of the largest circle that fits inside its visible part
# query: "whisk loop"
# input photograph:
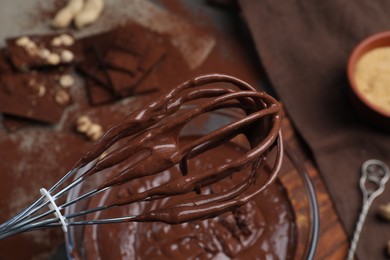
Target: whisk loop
(150, 139)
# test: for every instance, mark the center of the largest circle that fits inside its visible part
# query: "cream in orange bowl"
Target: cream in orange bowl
(369, 77)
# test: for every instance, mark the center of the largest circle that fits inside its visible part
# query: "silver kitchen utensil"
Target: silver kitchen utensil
(375, 174)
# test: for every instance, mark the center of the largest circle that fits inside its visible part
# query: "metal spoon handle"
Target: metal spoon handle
(358, 230)
(376, 173)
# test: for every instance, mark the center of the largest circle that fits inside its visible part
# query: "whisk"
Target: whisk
(149, 137)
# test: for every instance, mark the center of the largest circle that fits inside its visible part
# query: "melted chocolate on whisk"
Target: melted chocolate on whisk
(154, 133)
(222, 191)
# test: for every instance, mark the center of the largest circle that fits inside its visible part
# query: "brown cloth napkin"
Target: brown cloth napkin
(304, 46)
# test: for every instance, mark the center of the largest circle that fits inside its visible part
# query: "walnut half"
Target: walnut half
(384, 211)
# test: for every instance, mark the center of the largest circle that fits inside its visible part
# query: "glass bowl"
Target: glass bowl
(301, 193)
(293, 177)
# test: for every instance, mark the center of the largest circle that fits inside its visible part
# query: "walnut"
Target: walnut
(41, 90)
(66, 39)
(67, 56)
(31, 48)
(91, 130)
(53, 59)
(82, 124)
(66, 80)
(43, 53)
(62, 97)
(22, 41)
(94, 132)
(56, 42)
(384, 211)
(31, 82)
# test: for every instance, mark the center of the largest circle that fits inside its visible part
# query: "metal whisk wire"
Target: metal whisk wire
(161, 122)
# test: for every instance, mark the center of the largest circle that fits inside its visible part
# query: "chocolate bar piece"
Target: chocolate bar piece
(94, 49)
(121, 65)
(98, 94)
(37, 51)
(121, 60)
(40, 96)
(5, 65)
(101, 42)
(132, 38)
(123, 82)
(94, 68)
(12, 123)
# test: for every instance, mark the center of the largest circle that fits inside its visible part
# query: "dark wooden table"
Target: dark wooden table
(333, 241)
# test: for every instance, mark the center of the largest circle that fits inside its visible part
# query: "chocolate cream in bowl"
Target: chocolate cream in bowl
(217, 180)
(262, 229)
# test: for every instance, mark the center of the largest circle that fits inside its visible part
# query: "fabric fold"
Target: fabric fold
(304, 46)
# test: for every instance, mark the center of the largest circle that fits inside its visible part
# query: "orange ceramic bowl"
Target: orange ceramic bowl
(370, 111)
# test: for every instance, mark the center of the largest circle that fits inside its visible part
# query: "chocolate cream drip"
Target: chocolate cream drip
(149, 142)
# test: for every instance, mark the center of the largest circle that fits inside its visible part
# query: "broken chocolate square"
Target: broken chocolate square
(5, 65)
(40, 96)
(94, 69)
(37, 51)
(12, 123)
(123, 82)
(94, 48)
(98, 94)
(121, 60)
(100, 42)
(132, 38)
